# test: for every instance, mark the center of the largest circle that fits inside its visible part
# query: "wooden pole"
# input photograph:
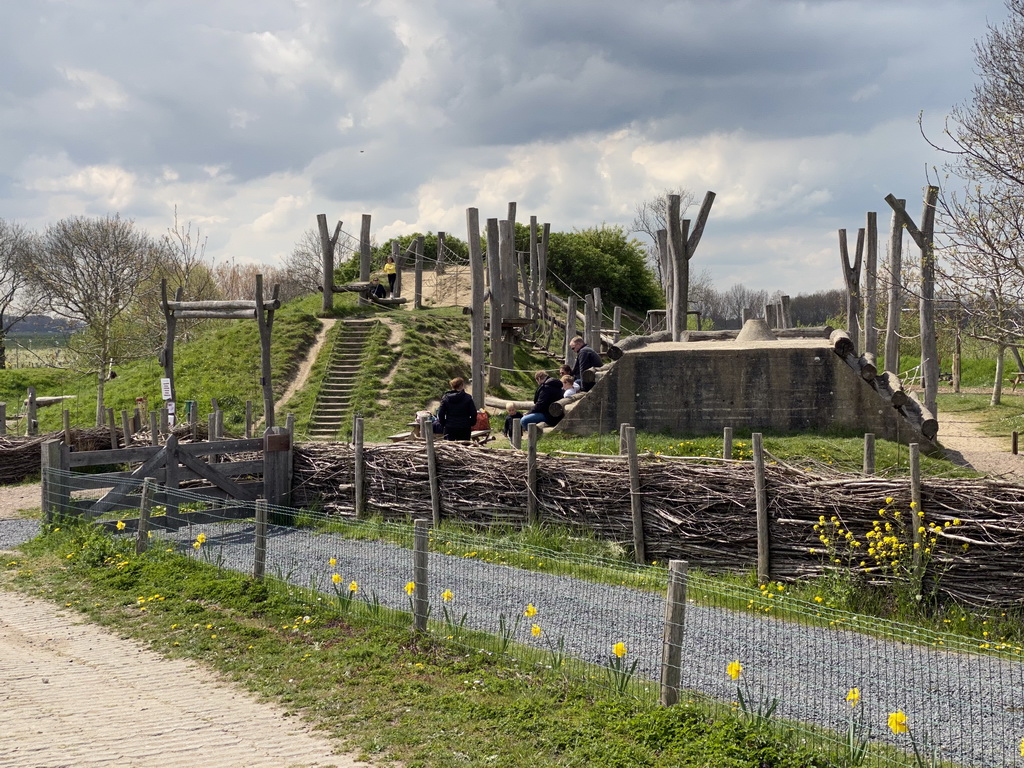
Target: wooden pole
(895, 304)
(277, 461)
(915, 506)
(439, 253)
(761, 495)
(264, 319)
(359, 470)
(112, 428)
(420, 549)
(365, 250)
(570, 330)
(532, 511)
(164, 419)
(54, 488)
(533, 296)
(517, 433)
(616, 324)
(145, 508)
(509, 289)
(635, 498)
(30, 418)
(476, 268)
(494, 303)
(417, 285)
(727, 443)
(327, 246)
(1013, 442)
(259, 558)
(154, 432)
(871, 286)
(869, 453)
(126, 427)
(3, 418)
(66, 423)
(432, 478)
(542, 268)
(672, 633)
(851, 274)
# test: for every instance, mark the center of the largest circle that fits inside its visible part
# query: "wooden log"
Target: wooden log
(202, 314)
(868, 368)
(919, 415)
(888, 385)
(217, 306)
(894, 305)
(842, 343)
(3, 418)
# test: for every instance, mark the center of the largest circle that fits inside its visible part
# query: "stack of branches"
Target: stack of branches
(700, 511)
(20, 456)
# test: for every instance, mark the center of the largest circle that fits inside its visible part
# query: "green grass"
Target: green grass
(392, 694)
(994, 420)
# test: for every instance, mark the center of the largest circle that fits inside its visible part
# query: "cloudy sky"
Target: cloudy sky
(252, 117)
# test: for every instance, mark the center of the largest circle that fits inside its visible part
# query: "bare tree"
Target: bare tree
(304, 266)
(652, 215)
(93, 270)
(17, 249)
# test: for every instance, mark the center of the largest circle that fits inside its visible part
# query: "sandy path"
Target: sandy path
(72, 694)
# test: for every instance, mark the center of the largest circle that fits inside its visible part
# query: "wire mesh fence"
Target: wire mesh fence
(758, 653)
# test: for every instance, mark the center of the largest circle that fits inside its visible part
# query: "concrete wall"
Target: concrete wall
(697, 388)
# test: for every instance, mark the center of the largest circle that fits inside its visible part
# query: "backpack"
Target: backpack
(483, 421)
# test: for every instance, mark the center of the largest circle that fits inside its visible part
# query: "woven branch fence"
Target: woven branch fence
(700, 511)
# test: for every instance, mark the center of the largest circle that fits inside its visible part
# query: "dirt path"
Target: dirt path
(75, 695)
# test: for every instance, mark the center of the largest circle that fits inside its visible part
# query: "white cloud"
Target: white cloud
(96, 90)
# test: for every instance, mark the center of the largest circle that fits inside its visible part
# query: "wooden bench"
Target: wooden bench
(481, 436)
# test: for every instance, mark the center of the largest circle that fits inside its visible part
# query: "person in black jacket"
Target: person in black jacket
(586, 358)
(457, 411)
(376, 290)
(548, 391)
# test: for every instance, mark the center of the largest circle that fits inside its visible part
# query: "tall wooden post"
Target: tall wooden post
(264, 318)
(542, 268)
(895, 303)
(420, 560)
(31, 425)
(495, 303)
(277, 461)
(145, 508)
(432, 478)
(871, 286)
(924, 238)
(439, 253)
(359, 469)
(509, 290)
(476, 269)
(851, 274)
(365, 251)
(259, 558)
(328, 243)
(635, 497)
(534, 292)
(532, 507)
(417, 294)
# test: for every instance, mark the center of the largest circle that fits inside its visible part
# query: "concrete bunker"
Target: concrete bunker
(793, 380)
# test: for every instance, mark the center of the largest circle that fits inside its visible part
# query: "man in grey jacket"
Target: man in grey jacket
(586, 358)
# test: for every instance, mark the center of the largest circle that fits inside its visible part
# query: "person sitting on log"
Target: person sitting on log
(586, 358)
(457, 412)
(376, 290)
(512, 415)
(569, 386)
(549, 390)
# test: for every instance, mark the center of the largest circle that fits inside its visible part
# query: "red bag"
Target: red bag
(483, 421)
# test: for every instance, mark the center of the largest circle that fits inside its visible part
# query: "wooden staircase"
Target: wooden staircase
(333, 401)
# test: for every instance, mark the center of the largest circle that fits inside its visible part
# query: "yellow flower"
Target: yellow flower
(535, 630)
(1022, 747)
(332, 562)
(336, 578)
(410, 587)
(195, 545)
(353, 587)
(619, 649)
(734, 670)
(201, 538)
(853, 697)
(120, 525)
(913, 505)
(819, 599)
(898, 722)
(530, 611)
(447, 595)
(889, 499)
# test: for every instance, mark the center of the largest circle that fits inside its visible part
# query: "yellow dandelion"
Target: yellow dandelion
(332, 562)
(120, 525)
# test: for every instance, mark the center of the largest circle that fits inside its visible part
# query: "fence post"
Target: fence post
(165, 420)
(764, 570)
(3, 418)
(112, 426)
(517, 433)
(672, 634)
(623, 449)
(727, 443)
(1013, 442)
(915, 511)
(277, 459)
(359, 469)
(259, 558)
(248, 419)
(145, 507)
(30, 419)
(65, 420)
(435, 486)
(635, 499)
(532, 515)
(126, 427)
(869, 453)
(420, 601)
(154, 435)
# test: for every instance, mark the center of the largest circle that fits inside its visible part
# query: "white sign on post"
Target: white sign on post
(165, 388)
(170, 412)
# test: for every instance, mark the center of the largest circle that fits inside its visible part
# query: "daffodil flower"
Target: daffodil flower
(619, 649)
(734, 670)
(410, 587)
(898, 722)
(853, 697)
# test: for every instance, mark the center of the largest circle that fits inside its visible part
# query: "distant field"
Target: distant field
(34, 350)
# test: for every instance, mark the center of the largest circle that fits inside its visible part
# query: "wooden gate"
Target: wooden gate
(241, 481)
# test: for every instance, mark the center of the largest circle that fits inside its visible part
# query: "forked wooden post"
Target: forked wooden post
(532, 512)
(672, 634)
(432, 479)
(764, 570)
(145, 507)
(727, 443)
(359, 470)
(259, 558)
(420, 601)
(869, 453)
(635, 498)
